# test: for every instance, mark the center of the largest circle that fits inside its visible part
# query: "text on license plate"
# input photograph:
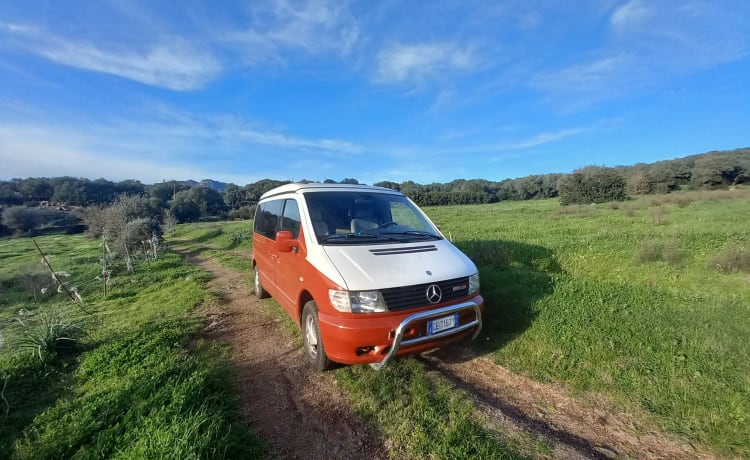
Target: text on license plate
(442, 324)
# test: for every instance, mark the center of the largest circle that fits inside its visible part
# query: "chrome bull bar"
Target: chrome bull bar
(398, 338)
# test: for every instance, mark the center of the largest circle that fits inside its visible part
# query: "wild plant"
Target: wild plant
(45, 333)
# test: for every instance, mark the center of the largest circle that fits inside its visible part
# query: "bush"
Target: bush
(22, 220)
(659, 215)
(592, 185)
(648, 252)
(128, 221)
(244, 212)
(239, 236)
(45, 334)
(133, 233)
(734, 259)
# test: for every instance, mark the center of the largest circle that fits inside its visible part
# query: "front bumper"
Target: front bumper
(376, 340)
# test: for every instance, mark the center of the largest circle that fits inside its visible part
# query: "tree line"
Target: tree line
(54, 198)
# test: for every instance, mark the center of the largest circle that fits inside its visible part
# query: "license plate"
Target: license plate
(442, 324)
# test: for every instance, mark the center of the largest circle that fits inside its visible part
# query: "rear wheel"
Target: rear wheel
(314, 350)
(259, 291)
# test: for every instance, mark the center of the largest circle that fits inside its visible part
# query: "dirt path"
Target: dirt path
(303, 414)
(574, 428)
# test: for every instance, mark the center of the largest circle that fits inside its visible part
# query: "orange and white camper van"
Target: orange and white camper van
(364, 273)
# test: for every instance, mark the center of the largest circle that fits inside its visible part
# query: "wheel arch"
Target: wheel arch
(304, 297)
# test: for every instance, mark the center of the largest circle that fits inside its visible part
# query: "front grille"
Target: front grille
(401, 298)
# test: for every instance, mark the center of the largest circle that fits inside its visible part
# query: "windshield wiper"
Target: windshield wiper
(413, 233)
(339, 236)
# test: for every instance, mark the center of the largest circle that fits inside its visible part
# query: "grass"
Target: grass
(228, 243)
(626, 301)
(421, 415)
(141, 383)
(626, 304)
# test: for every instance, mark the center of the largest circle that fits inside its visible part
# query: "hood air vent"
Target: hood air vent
(411, 250)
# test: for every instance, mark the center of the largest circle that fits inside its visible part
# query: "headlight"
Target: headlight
(474, 284)
(357, 301)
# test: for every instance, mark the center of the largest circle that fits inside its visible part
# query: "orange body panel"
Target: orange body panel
(343, 336)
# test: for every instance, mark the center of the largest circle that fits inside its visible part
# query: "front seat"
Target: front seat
(363, 218)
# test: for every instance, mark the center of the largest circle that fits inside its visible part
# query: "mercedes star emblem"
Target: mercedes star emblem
(434, 295)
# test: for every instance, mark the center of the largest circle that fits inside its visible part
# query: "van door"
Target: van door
(264, 242)
(289, 265)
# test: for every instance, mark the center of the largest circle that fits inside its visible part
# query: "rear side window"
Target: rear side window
(267, 218)
(291, 220)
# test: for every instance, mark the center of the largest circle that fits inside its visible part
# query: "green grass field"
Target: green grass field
(636, 301)
(645, 302)
(140, 383)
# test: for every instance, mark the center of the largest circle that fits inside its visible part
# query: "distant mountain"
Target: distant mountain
(208, 183)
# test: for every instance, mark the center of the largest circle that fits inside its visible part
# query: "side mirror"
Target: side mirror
(285, 241)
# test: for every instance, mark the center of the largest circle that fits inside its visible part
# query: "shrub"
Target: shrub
(26, 220)
(734, 258)
(648, 252)
(239, 236)
(93, 219)
(45, 334)
(133, 233)
(659, 215)
(246, 212)
(672, 253)
(128, 221)
(170, 221)
(592, 185)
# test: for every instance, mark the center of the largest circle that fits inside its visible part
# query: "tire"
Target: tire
(313, 345)
(259, 291)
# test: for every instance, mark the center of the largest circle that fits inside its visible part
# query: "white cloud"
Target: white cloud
(40, 152)
(587, 77)
(172, 63)
(183, 147)
(315, 26)
(176, 65)
(404, 63)
(630, 14)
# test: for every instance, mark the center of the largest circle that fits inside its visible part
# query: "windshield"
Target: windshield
(356, 217)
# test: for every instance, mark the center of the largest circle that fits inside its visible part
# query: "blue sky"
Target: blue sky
(428, 91)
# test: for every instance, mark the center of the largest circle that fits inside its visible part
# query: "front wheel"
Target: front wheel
(314, 350)
(259, 291)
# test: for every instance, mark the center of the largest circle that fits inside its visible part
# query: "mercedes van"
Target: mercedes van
(364, 272)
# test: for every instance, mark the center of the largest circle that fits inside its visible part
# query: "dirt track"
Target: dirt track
(303, 414)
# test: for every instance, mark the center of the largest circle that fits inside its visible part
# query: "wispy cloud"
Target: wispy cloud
(175, 145)
(649, 43)
(632, 12)
(172, 63)
(415, 63)
(588, 77)
(314, 26)
(29, 151)
(513, 145)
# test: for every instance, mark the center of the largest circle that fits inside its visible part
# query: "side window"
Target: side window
(291, 218)
(267, 218)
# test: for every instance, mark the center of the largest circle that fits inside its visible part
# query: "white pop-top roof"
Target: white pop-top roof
(294, 188)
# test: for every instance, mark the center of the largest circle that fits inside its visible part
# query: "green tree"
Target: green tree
(592, 184)
(234, 196)
(198, 203)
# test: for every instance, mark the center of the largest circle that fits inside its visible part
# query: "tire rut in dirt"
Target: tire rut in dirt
(509, 417)
(574, 427)
(300, 413)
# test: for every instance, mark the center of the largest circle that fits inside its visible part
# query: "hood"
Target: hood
(366, 267)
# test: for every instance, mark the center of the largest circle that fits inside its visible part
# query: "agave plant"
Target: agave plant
(45, 333)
